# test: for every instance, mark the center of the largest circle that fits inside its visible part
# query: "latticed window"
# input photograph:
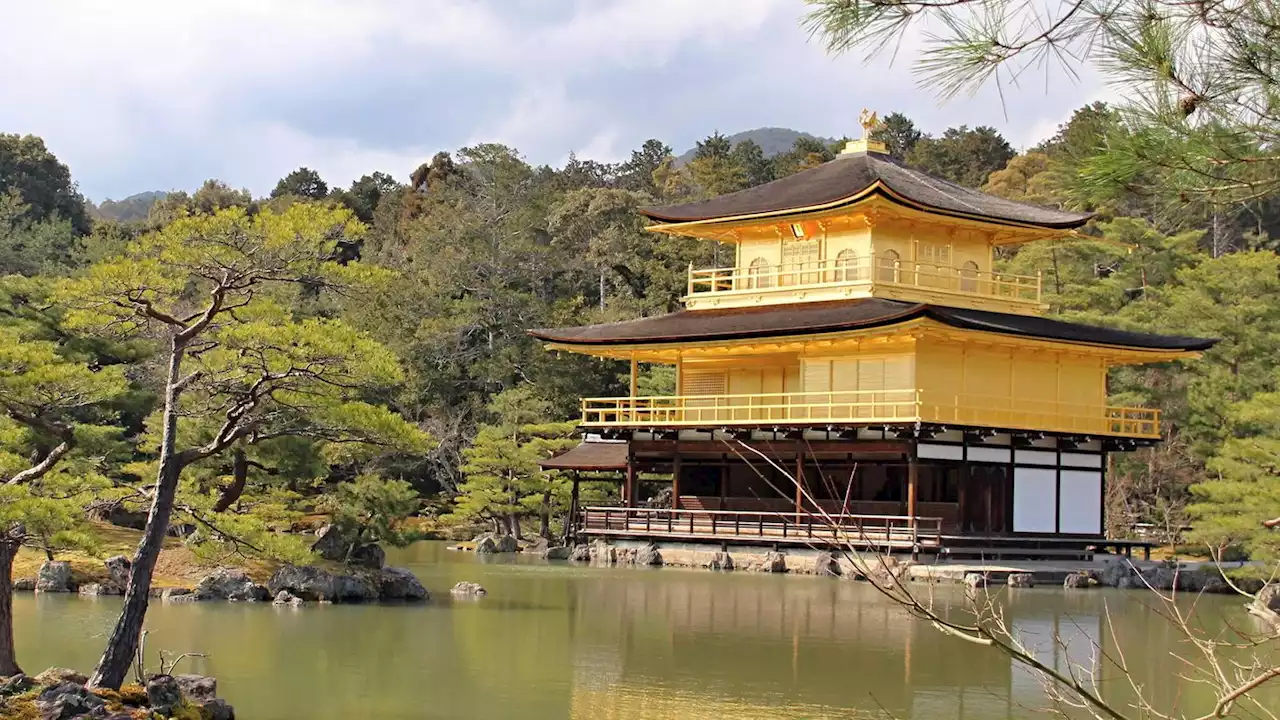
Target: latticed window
(758, 275)
(799, 261)
(889, 266)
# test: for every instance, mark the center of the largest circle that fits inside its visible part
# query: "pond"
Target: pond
(562, 641)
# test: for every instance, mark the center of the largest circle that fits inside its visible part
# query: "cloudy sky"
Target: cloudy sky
(141, 94)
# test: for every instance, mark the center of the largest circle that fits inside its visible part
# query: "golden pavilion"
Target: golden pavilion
(864, 344)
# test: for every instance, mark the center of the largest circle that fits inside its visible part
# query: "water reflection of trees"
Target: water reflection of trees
(809, 643)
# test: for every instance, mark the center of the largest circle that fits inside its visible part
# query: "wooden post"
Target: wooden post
(675, 478)
(634, 368)
(629, 484)
(571, 525)
(799, 484)
(724, 482)
(913, 482)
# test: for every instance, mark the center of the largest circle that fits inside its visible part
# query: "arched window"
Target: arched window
(758, 275)
(969, 277)
(888, 267)
(847, 266)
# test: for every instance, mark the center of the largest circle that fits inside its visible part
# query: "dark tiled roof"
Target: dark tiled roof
(590, 456)
(822, 317)
(850, 175)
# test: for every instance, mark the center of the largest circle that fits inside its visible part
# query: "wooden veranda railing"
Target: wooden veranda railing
(866, 271)
(804, 528)
(868, 407)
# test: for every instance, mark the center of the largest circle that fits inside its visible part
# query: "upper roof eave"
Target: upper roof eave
(846, 180)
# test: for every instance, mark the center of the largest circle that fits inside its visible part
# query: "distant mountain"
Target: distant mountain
(134, 207)
(772, 140)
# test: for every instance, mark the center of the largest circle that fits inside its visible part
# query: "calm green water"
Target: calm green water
(556, 641)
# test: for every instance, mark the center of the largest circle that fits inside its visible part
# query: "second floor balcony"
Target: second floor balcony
(884, 276)
(863, 408)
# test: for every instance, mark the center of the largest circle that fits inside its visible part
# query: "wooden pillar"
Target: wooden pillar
(799, 484)
(724, 482)
(629, 484)
(634, 372)
(913, 482)
(675, 478)
(571, 525)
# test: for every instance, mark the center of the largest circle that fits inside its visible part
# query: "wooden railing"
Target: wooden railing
(898, 531)
(866, 270)
(1004, 412)
(869, 407)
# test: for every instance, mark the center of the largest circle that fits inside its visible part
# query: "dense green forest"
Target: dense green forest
(444, 272)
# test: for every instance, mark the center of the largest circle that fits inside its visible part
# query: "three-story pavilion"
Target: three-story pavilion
(864, 342)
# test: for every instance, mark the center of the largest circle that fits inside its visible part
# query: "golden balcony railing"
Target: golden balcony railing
(865, 271)
(868, 407)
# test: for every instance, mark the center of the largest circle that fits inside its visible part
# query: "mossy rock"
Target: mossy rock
(21, 707)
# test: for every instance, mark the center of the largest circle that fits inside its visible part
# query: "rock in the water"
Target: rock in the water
(1115, 572)
(883, 570)
(330, 544)
(468, 589)
(507, 543)
(486, 546)
(54, 576)
(354, 589)
(1077, 581)
(370, 556)
(559, 552)
(284, 597)
(647, 555)
(57, 676)
(314, 584)
(538, 545)
(580, 553)
(720, 561)
(230, 584)
(199, 689)
(69, 700)
(217, 709)
(164, 695)
(178, 595)
(973, 581)
(1020, 580)
(602, 553)
(826, 564)
(400, 584)
(118, 569)
(1164, 576)
(16, 685)
(308, 583)
(26, 584)
(773, 562)
(100, 589)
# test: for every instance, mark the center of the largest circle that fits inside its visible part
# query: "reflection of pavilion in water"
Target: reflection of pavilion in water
(744, 647)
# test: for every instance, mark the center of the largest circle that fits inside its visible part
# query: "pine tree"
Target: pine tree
(214, 294)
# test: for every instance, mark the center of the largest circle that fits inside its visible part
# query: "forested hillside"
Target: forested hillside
(772, 141)
(130, 209)
(437, 277)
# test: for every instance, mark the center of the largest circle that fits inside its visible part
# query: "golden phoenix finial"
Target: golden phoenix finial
(869, 121)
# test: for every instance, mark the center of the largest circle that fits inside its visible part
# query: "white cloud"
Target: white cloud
(149, 94)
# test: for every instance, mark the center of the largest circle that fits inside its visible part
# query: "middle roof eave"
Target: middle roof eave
(835, 316)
